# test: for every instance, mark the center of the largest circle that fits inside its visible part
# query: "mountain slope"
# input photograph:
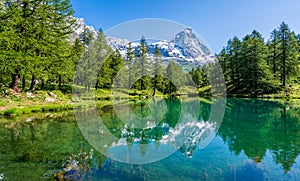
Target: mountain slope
(185, 48)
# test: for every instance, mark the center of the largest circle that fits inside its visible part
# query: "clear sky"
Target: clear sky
(215, 20)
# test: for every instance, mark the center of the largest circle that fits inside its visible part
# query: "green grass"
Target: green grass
(204, 91)
(18, 104)
(3, 103)
(17, 111)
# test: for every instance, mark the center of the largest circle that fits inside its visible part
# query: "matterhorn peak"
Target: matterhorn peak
(188, 30)
(186, 48)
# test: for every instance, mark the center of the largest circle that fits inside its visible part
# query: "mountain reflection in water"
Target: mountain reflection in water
(257, 140)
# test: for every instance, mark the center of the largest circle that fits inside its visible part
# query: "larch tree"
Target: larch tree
(255, 73)
(143, 52)
(273, 45)
(289, 62)
(36, 34)
(130, 55)
(157, 69)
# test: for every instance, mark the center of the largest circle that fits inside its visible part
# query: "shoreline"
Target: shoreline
(25, 109)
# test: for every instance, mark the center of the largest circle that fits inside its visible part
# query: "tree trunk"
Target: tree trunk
(154, 86)
(43, 84)
(59, 81)
(15, 80)
(142, 83)
(23, 83)
(97, 85)
(284, 70)
(33, 83)
(274, 60)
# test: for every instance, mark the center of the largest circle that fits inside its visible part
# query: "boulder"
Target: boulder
(53, 95)
(49, 100)
(29, 120)
(2, 176)
(29, 95)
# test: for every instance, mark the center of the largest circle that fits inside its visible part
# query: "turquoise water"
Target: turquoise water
(257, 140)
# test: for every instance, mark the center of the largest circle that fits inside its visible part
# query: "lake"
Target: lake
(166, 139)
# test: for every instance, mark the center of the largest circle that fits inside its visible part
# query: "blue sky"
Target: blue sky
(215, 20)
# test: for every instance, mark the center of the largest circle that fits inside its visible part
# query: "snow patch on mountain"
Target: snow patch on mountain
(185, 48)
(79, 29)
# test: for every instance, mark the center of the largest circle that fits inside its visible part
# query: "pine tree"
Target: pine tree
(77, 51)
(157, 70)
(198, 77)
(143, 51)
(231, 63)
(86, 37)
(99, 53)
(176, 78)
(35, 33)
(130, 55)
(273, 45)
(255, 72)
(289, 62)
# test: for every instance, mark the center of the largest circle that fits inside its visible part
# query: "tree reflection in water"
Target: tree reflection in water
(256, 127)
(260, 134)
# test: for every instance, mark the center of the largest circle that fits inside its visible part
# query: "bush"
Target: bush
(66, 89)
(15, 98)
(59, 94)
(4, 91)
(9, 112)
(3, 103)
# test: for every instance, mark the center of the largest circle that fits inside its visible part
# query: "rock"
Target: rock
(29, 95)
(29, 120)
(53, 95)
(49, 100)
(59, 176)
(2, 176)
(49, 115)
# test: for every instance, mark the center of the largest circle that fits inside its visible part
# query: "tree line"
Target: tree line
(254, 67)
(35, 43)
(102, 67)
(37, 51)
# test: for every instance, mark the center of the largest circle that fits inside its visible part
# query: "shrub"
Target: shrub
(66, 89)
(4, 91)
(9, 112)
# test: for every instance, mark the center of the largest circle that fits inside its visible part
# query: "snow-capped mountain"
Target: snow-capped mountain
(79, 29)
(190, 45)
(120, 44)
(185, 48)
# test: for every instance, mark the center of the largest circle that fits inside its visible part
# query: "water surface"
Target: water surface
(257, 140)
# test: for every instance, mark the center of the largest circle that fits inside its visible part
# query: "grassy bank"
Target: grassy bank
(289, 92)
(17, 104)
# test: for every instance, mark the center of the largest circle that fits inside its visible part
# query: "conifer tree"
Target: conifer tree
(143, 51)
(35, 34)
(157, 70)
(255, 72)
(130, 55)
(289, 62)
